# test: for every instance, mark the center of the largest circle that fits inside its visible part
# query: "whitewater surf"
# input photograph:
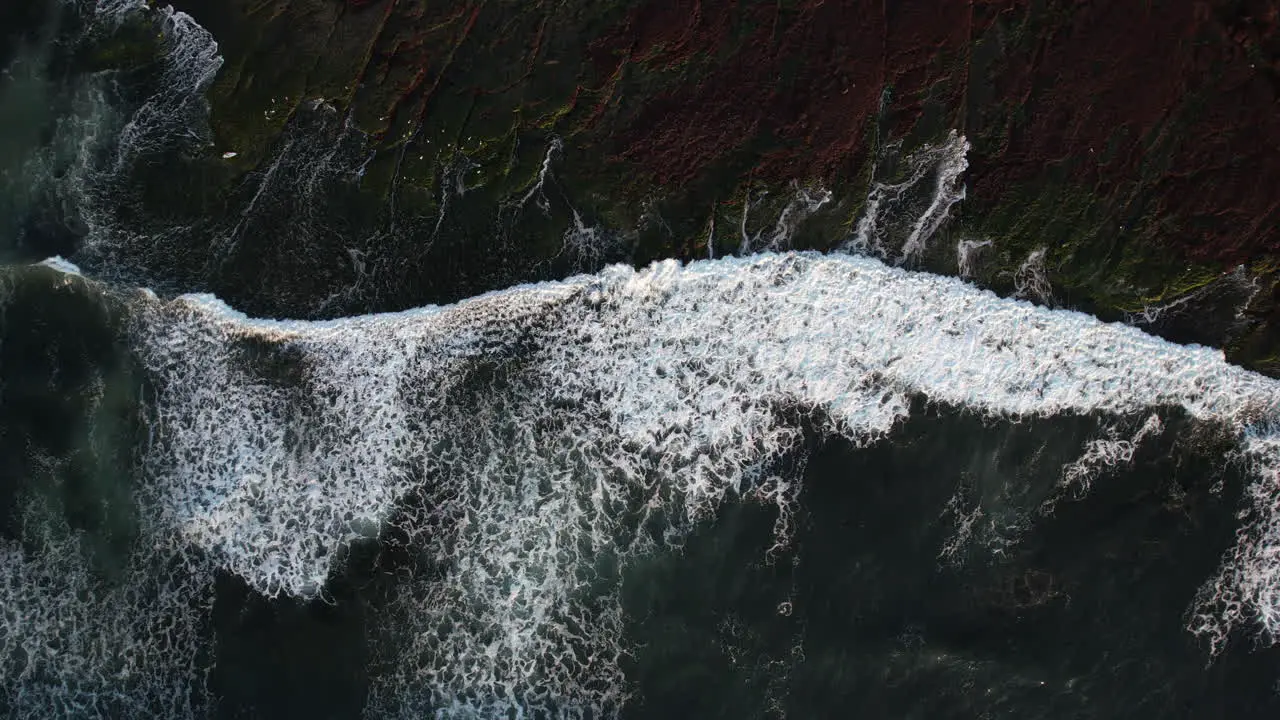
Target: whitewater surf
(530, 445)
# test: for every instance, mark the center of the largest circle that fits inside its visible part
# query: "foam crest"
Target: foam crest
(1246, 590)
(900, 209)
(62, 265)
(526, 443)
(176, 114)
(89, 163)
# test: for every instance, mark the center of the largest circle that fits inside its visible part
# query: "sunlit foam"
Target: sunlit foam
(540, 428)
(62, 265)
(73, 645)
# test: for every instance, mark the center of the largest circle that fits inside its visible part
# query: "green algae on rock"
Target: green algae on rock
(378, 155)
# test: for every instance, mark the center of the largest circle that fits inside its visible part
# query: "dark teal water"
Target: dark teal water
(1079, 613)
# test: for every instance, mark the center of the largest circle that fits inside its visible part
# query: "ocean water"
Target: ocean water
(779, 484)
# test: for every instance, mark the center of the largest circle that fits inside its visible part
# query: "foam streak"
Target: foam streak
(552, 419)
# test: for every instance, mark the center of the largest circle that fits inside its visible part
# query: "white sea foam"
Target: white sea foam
(1246, 590)
(967, 251)
(94, 147)
(539, 428)
(76, 645)
(61, 264)
(527, 443)
(177, 113)
(909, 208)
(1101, 454)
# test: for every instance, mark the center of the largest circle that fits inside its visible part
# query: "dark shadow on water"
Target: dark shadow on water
(288, 658)
(70, 416)
(1081, 617)
(1075, 614)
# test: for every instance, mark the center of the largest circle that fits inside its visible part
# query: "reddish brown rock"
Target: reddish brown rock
(1138, 142)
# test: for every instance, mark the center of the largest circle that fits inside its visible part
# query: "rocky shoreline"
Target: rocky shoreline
(1119, 159)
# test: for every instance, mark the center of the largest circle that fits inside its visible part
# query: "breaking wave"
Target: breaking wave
(524, 446)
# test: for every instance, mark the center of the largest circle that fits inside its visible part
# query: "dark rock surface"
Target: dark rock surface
(1137, 144)
(1120, 158)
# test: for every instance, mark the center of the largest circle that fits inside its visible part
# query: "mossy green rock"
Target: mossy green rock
(1134, 167)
